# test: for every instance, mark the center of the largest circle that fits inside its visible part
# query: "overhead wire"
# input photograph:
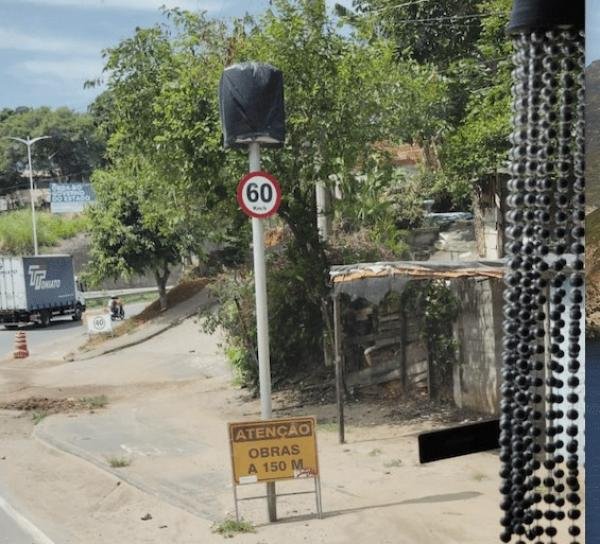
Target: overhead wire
(398, 6)
(440, 18)
(451, 17)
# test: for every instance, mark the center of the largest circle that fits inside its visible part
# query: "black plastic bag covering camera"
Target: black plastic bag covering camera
(251, 103)
(532, 15)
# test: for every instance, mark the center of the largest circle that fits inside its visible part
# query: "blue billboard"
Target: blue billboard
(70, 197)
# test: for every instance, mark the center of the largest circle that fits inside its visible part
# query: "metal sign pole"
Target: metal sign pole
(35, 240)
(262, 322)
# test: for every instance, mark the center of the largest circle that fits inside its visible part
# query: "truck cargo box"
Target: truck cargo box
(36, 283)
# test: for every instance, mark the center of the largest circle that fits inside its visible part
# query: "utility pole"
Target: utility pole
(323, 210)
(29, 142)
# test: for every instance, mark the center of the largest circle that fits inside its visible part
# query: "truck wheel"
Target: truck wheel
(45, 319)
(77, 313)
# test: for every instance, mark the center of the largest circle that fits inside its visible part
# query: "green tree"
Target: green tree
(160, 113)
(438, 32)
(479, 145)
(468, 45)
(133, 230)
(74, 150)
(342, 95)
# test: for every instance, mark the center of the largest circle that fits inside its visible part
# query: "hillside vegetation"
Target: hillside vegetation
(592, 263)
(16, 230)
(592, 250)
(593, 135)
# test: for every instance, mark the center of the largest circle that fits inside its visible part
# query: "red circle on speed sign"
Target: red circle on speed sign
(259, 194)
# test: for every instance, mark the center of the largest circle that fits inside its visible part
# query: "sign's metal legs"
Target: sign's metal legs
(317, 493)
(235, 500)
(318, 497)
(272, 501)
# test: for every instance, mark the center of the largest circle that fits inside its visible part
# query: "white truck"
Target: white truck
(36, 289)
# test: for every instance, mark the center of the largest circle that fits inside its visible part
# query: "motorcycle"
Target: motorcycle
(115, 308)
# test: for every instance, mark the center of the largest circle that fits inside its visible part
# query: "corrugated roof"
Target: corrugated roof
(417, 269)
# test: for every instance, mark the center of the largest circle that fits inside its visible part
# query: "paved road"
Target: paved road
(60, 329)
(11, 533)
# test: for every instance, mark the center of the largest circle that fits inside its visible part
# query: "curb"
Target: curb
(98, 353)
(51, 442)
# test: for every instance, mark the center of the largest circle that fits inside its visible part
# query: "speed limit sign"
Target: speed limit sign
(259, 195)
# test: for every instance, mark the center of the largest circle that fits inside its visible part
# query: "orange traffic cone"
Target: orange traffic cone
(21, 351)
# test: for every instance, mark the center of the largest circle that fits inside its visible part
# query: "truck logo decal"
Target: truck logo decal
(37, 279)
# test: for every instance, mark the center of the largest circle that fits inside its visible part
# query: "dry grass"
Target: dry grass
(180, 293)
(276, 236)
(94, 403)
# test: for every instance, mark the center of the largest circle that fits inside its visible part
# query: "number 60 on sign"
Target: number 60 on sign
(259, 195)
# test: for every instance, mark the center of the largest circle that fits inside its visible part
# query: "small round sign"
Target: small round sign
(99, 323)
(259, 195)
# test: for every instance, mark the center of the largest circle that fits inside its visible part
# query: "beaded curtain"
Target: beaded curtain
(544, 296)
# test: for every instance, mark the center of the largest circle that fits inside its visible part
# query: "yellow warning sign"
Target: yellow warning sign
(274, 449)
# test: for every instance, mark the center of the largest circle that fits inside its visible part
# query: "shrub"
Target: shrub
(439, 306)
(295, 320)
(297, 297)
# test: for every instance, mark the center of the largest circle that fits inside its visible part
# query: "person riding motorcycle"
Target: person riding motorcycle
(115, 307)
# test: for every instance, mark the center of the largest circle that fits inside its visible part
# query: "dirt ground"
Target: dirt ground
(168, 402)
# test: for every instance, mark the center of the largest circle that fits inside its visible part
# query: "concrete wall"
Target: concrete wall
(478, 333)
(381, 347)
(489, 210)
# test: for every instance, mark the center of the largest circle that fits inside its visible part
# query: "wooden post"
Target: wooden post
(339, 358)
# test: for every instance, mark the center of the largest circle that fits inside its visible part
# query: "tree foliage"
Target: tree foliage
(161, 117)
(74, 150)
(343, 94)
(480, 144)
(437, 32)
(133, 229)
(468, 45)
(169, 187)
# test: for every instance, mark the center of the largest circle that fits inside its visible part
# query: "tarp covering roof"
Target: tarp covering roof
(417, 269)
(374, 280)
